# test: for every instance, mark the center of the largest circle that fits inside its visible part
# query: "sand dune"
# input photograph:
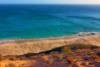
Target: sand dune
(20, 47)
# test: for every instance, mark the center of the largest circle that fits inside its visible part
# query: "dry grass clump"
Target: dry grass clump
(12, 57)
(61, 57)
(97, 58)
(75, 46)
(50, 61)
(1, 57)
(9, 57)
(66, 49)
(47, 59)
(10, 65)
(17, 63)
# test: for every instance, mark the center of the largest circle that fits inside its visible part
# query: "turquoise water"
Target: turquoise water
(39, 21)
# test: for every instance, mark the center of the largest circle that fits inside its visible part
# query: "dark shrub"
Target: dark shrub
(66, 49)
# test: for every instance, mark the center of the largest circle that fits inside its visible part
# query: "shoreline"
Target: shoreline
(80, 34)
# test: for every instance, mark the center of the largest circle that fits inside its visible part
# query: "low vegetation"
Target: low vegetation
(10, 65)
(70, 53)
(66, 49)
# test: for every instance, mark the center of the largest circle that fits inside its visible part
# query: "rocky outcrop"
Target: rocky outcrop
(20, 47)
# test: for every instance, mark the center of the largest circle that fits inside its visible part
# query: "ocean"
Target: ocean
(42, 21)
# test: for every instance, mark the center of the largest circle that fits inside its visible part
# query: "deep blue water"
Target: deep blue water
(39, 21)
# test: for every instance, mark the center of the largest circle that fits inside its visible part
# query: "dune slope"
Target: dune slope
(20, 47)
